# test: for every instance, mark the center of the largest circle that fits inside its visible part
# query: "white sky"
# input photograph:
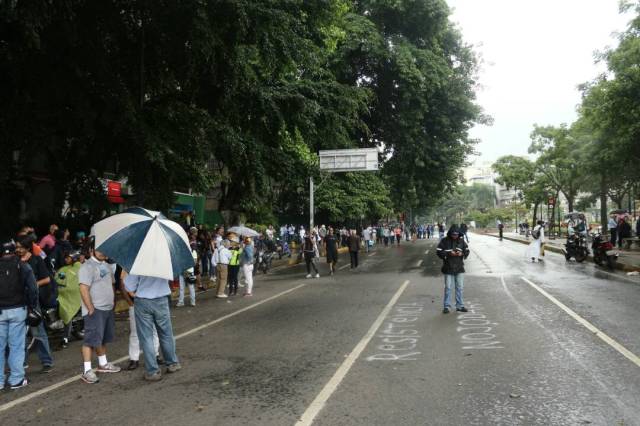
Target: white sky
(535, 54)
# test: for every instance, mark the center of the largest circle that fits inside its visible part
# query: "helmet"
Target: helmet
(8, 247)
(34, 317)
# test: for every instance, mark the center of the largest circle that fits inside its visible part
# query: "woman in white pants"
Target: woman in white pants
(534, 252)
(246, 258)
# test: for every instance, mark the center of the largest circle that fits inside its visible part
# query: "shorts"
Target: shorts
(99, 328)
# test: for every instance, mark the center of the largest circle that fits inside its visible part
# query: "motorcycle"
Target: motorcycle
(603, 252)
(576, 247)
(55, 327)
(263, 261)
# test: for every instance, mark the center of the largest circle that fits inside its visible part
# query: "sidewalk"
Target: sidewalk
(629, 260)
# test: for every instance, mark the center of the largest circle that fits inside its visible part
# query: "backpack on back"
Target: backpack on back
(11, 288)
(536, 232)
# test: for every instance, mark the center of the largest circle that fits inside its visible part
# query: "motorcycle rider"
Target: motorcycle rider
(17, 292)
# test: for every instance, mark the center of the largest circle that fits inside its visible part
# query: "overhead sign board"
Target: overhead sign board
(349, 160)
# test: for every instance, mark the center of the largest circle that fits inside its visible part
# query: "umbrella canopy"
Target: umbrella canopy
(243, 231)
(144, 242)
(619, 212)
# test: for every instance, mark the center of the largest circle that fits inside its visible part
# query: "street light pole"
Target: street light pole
(311, 206)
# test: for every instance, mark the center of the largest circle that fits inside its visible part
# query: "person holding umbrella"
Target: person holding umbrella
(152, 314)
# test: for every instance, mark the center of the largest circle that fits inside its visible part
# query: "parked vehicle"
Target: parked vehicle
(55, 327)
(603, 251)
(576, 247)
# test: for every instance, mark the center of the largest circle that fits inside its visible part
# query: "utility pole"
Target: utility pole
(311, 206)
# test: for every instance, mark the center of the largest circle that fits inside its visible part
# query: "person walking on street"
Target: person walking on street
(331, 250)
(366, 236)
(152, 314)
(222, 267)
(188, 278)
(310, 251)
(500, 228)
(398, 233)
(534, 252)
(18, 292)
(246, 259)
(624, 231)
(354, 247)
(96, 290)
(453, 250)
(463, 231)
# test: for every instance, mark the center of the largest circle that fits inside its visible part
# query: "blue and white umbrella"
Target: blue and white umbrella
(144, 242)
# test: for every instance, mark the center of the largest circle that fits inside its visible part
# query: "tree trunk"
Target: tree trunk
(535, 212)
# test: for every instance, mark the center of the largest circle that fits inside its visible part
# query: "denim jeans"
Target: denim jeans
(150, 314)
(458, 281)
(41, 345)
(13, 330)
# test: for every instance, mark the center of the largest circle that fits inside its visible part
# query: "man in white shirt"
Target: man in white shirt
(222, 260)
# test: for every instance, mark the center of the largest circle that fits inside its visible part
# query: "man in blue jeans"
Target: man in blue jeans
(152, 311)
(17, 291)
(453, 250)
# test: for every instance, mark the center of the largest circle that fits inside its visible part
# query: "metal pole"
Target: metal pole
(311, 209)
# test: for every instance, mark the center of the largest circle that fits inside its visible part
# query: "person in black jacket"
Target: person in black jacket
(453, 250)
(17, 292)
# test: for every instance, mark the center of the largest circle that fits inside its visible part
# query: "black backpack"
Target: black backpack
(11, 286)
(535, 233)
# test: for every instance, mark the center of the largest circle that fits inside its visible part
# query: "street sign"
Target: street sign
(349, 160)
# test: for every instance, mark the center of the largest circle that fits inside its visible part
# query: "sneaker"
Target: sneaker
(462, 309)
(222, 296)
(155, 377)
(446, 311)
(193, 304)
(46, 369)
(317, 275)
(159, 360)
(179, 304)
(212, 279)
(65, 343)
(174, 367)
(22, 384)
(133, 365)
(308, 275)
(108, 368)
(247, 294)
(90, 377)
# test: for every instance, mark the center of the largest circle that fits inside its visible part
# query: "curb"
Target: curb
(619, 265)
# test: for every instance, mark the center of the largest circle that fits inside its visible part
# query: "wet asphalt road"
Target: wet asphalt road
(516, 359)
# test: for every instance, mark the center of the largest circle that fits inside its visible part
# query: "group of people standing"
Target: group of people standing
(619, 227)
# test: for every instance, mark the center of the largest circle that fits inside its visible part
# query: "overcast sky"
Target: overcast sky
(535, 54)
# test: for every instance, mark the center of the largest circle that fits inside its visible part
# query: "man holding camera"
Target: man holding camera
(453, 250)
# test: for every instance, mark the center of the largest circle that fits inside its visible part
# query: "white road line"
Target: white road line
(342, 267)
(608, 340)
(420, 263)
(319, 402)
(426, 252)
(72, 379)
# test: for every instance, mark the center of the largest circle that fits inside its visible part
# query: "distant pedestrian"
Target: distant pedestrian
(624, 231)
(222, 267)
(152, 314)
(331, 250)
(534, 252)
(398, 233)
(96, 290)
(500, 228)
(354, 248)
(310, 251)
(453, 250)
(441, 230)
(612, 226)
(234, 266)
(246, 259)
(366, 236)
(463, 231)
(188, 279)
